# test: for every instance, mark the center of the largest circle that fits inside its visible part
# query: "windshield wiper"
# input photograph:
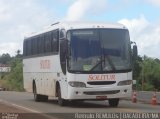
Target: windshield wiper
(110, 62)
(100, 62)
(103, 60)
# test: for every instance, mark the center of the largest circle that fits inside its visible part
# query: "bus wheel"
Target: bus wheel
(113, 102)
(44, 98)
(37, 97)
(61, 101)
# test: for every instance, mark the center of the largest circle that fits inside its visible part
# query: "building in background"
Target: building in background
(4, 68)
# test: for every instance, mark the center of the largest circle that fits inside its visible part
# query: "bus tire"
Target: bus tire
(61, 101)
(44, 98)
(113, 102)
(37, 97)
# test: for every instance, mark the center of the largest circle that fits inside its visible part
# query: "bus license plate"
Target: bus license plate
(101, 97)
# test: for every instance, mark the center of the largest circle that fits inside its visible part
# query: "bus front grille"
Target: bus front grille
(102, 92)
(101, 82)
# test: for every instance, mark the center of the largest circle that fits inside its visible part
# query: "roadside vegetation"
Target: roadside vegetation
(12, 80)
(146, 73)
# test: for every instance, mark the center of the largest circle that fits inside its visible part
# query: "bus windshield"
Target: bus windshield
(99, 50)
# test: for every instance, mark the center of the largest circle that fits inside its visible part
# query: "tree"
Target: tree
(18, 54)
(151, 69)
(5, 58)
(146, 72)
(137, 68)
(14, 80)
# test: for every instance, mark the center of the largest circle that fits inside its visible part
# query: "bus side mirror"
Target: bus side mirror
(62, 34)
(63, 54)
(64, 46)
(135, 52)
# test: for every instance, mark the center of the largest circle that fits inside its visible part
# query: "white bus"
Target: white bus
(79, 61)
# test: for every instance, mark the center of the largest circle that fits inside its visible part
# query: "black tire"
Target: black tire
(75, 102)
(37, 97)
(44, 98)
(61, 101)
(113, 102)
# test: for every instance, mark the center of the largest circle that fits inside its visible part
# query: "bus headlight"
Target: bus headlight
(126, 82)
(76, 84)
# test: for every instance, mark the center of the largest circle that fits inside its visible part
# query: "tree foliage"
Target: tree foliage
(14, 79)
(147, 73)
(5, 58)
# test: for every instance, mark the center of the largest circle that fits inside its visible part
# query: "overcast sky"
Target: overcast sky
(19, 17)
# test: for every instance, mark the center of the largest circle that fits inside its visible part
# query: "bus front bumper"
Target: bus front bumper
(99, 93)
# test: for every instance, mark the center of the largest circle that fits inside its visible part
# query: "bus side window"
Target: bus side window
(55, 40)
(25, 48)
(41, 44)
(28, 47)
(48, 42)
(34, 46)
(57, 43)
(38, 45)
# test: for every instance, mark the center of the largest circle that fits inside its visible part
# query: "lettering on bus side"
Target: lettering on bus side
(45, 64)
(102, 77)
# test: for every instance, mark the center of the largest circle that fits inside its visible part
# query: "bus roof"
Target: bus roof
(77, 25)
